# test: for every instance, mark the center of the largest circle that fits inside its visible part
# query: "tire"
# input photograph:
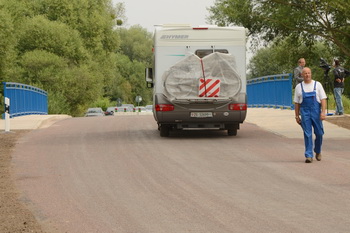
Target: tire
(232, 132)
(164, 131)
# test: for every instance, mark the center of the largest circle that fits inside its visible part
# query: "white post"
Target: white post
(7, 114)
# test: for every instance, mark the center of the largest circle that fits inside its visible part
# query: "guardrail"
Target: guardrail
(273, 91)
(25, 99)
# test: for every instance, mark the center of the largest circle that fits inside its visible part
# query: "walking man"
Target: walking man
(339, 78)
(310, 104)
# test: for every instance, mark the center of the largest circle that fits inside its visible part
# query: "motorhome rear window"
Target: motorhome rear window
(204, 52)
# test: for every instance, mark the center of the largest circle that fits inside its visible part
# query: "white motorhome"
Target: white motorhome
(198, 78)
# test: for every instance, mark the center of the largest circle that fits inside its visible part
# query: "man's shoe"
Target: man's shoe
(308, 160)
(318, 156)
(340, 114)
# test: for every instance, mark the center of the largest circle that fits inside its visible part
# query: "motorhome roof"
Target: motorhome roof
(185, 26)
(199, 36)
(170, 25)
(188, 26)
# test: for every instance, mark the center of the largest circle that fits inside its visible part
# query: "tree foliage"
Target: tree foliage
(307, 20)
(7, 43)
(94, 19)
(54, 37)
(136, 43)
(282, 56)
(291, 29)
(73, 50)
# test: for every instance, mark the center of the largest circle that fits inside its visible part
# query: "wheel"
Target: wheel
(164, 131)
(232, 132)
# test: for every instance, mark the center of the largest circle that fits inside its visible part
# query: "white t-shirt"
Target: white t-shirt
(320, 93)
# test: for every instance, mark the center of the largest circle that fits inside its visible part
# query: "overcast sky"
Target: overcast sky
(148, 13)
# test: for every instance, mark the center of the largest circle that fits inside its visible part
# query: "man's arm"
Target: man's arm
(297, 112)
(323, 109)
(347, 73)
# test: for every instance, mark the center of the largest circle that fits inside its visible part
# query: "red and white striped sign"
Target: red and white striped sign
(209, 87)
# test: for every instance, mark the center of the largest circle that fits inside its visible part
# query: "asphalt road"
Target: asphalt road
(116, 174)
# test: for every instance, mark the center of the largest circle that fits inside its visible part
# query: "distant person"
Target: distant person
(310, 103)
(298, 78)
(339, 78)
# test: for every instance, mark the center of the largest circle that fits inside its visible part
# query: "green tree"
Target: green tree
(130, 82)
(137, 79)
(83, 87)
(281, 57)
(71, 48)
(42, 68)
(135, 54)
(94, 19)
(308, 20)
(7, 45)
(136, 43)
(54, 37)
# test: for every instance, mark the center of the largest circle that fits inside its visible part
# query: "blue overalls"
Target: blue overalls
(310, 111)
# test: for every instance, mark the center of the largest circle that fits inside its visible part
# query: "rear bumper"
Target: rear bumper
(221, 115)
(184, 120)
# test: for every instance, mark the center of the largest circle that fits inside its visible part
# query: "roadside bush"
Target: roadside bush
(346, 103)
(103, 103)
(57, 103)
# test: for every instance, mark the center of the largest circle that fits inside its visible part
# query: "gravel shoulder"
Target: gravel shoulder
(342, 121)
(14, 215)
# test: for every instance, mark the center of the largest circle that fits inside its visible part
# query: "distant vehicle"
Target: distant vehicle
(149, 108)
(140, 109)
(110, 111)
(131, 106)
(122, 109)
(94, 112)
(125, 108)
(198, 78)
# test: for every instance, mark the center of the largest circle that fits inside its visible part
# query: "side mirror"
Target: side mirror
(149, 77)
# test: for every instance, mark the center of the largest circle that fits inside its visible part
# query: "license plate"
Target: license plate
(201, 114)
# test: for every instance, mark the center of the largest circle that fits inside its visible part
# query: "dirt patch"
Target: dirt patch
(14, 215)
(342, 121)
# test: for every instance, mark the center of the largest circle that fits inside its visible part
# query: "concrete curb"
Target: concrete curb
(282, 122)
(32, 121)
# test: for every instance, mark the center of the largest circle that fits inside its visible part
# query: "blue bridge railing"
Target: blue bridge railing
(274, 91)
(25, 99)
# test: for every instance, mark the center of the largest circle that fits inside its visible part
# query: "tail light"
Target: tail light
(237, 107)
(164, 107)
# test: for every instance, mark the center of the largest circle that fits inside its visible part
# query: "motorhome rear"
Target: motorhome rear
(198, 78)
